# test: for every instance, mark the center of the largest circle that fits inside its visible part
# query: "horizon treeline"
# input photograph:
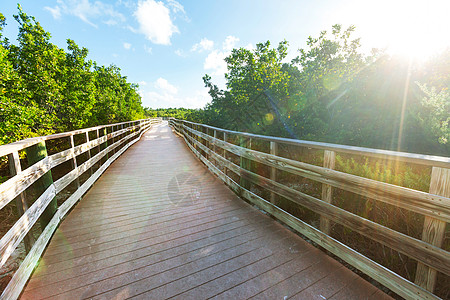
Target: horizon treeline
(332, 92)
(45, 89)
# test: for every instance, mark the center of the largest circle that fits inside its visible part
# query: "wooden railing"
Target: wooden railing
(102, 145)
(435, 206)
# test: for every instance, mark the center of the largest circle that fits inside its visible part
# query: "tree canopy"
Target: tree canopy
(46, 89)
(333, 92)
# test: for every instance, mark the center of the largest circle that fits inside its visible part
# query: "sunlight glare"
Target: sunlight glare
(414, 29)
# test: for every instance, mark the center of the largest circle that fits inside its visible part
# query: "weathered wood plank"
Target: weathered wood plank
(20, 277)
(433, 229)
(21, 201)
(14, 236)
(19, 183)
(422, 159)
(273, 171)
(327, 192)
(422, 251)
(417, 201)
(22, 144)
(383, 275)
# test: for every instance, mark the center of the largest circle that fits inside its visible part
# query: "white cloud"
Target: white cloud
(180, 53)
(148, 49)
(203, 45)
(155, 22)
(86, 11)
(163, 85)
(56, 11)
(127, 46)
(250, 47)
(230, 43)
(142, 83)
(176, 6)
(215, 62)
(162, 94)
(164, 100)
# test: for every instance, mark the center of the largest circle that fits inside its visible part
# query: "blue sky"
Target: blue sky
(167, 46)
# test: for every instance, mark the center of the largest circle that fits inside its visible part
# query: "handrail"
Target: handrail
(121, 137)
(22, 144)
(429, 160)
(435, 205)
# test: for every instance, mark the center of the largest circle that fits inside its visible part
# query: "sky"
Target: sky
(167, 46)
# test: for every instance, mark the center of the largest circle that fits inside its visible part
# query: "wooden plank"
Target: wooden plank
(433, 229)
(74, 160)
(213, 251)
(21, 202)
(245, 163)
(327, 192)
(64, 181)
(428, 160)
(273, 170)
(19, 183)
(417, 201)
(21, 276)
(12, 188)
(381, 274)
(89, 151)
(22, 144)
(14, 236)
(417, 249)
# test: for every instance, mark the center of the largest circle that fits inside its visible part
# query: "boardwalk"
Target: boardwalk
(159, 225)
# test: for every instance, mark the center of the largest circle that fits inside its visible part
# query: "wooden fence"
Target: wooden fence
(105, 143)
(435, 206)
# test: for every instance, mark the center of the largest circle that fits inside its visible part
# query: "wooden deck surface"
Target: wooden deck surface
(159, 225)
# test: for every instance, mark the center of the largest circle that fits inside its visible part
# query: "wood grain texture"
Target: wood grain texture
(424, 203)
(422, 159)
(329, 159)
(21, 276)
(177, 251)
(22, 144)
(433, 229)
(420, 250)
(396, 283)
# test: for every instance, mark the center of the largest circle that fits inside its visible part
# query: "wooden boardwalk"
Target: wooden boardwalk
(159, 225)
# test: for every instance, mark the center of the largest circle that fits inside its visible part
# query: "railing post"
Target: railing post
(74, 159)
(214, 147)
(105, 144)
(225, 170)
(433, 229)
(37, 153)
(329, 160)
(21, 203)
(89, 151)
(273, 170)
(244, 163)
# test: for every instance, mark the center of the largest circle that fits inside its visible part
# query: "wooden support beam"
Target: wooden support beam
(433, 229)
(74, 160)
(329, 160)
(244, 162)
(35, 154)
(273, 170)
(21, 202)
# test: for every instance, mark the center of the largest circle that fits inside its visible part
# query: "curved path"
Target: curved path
(159, 225)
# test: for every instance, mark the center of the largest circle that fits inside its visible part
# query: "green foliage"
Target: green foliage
(177, 113)
(435, 112)
(332, 92)
(44, 89)
(393, 172)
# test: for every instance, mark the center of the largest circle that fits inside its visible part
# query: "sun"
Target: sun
(414, 29)
(419, 28)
